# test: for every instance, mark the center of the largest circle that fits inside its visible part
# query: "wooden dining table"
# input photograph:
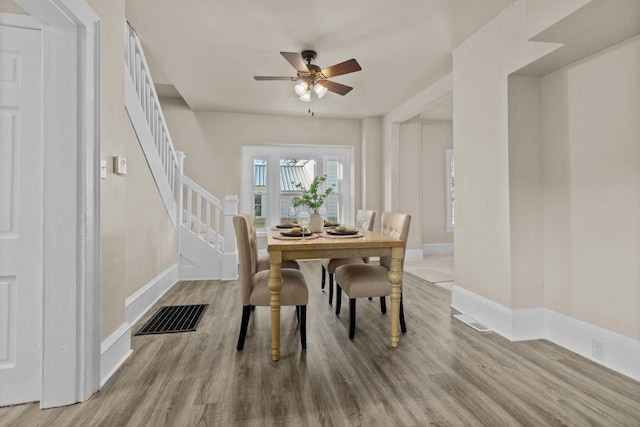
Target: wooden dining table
(370, 244)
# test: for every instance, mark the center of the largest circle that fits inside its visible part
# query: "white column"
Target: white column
(229, 270)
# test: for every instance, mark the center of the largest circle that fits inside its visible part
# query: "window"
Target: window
(449, 190)
(260, 192)
(268, 190)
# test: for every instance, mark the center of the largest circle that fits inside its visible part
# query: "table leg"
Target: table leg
(275, 285)
(395, 277)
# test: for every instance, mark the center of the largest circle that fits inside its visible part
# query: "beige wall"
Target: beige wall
(481, 66)
(150, 235)
(437, 137)
(8, 6)
(372, 167)
(409, 174)
(592, 189)
(137, 243)
(212, 141)
(113, 189)
(525, 192)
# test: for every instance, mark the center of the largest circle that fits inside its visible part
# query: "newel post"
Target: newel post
(177, 192)
(229, 269)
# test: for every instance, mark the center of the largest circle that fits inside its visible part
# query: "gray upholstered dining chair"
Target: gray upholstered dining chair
(254, 289)
(368, 280)
(330, 265)
(262, 261)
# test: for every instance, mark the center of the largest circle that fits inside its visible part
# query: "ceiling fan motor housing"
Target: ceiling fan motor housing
(308, 55)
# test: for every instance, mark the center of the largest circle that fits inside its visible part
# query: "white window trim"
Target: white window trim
(447, 161)
(272, 154)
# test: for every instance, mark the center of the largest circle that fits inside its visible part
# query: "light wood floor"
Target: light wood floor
(443, 372)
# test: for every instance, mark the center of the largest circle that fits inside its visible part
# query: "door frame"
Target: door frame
(71, 138)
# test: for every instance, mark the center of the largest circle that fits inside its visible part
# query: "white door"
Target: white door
(21, 214)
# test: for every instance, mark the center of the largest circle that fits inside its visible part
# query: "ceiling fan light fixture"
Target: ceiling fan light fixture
(320, 90)
(306, 97)
(301, 88)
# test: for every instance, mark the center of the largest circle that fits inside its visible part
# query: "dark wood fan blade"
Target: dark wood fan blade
(275, 78)
(335, 87)
(296, 60)
(345, 67)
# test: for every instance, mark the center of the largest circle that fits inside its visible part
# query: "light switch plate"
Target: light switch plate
(120, 165)
(103, 169)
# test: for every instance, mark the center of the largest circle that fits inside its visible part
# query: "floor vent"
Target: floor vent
(468, 320)
(174, 318)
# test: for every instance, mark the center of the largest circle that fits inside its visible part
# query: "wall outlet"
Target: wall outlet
(597, 349)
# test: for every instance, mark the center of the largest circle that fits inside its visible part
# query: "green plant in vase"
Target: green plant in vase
(313, 198)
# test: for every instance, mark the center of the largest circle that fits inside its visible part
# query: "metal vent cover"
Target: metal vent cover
(468, 320)
(174, 318)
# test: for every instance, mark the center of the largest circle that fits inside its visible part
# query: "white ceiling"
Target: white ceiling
(210, 50)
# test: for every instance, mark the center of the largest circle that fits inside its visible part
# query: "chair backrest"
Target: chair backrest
(395, 225)
(245, 257)
(253, 240)
(372, 218)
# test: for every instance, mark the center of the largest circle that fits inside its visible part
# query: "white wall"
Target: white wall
(591, 114)
(437, 137)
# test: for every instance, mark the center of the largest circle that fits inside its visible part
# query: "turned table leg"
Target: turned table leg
(275, 286)
(395, 277)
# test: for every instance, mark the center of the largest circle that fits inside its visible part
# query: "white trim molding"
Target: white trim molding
(20, 21)
(114, 351)
(71, 125)
(141, 301)
(620, 353)
(437, 248)
(412, 255)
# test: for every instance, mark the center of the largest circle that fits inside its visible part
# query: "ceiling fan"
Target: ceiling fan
(313, 78)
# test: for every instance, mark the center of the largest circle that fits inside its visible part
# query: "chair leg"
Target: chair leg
(403, 326)
(352, 318)
(303, 325)
(330, 288)
(383, 305)
(338, 299)
(370, 298)
(246, 312)
(324, 276)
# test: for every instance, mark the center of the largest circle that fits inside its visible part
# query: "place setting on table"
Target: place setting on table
(294, 232)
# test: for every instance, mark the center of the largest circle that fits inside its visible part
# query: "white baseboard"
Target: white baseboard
(114, 351)
(412, 255)
(485, 311)
(137, 304)
(437, 248)
(621, 353)
(529, 324)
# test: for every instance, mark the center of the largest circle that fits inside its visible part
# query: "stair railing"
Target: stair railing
(137, 68)
(201, 213)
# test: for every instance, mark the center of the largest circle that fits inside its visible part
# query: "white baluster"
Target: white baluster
(199, 215)
(217, 214)
(136, 79)
(209, 222)
(189, 204)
